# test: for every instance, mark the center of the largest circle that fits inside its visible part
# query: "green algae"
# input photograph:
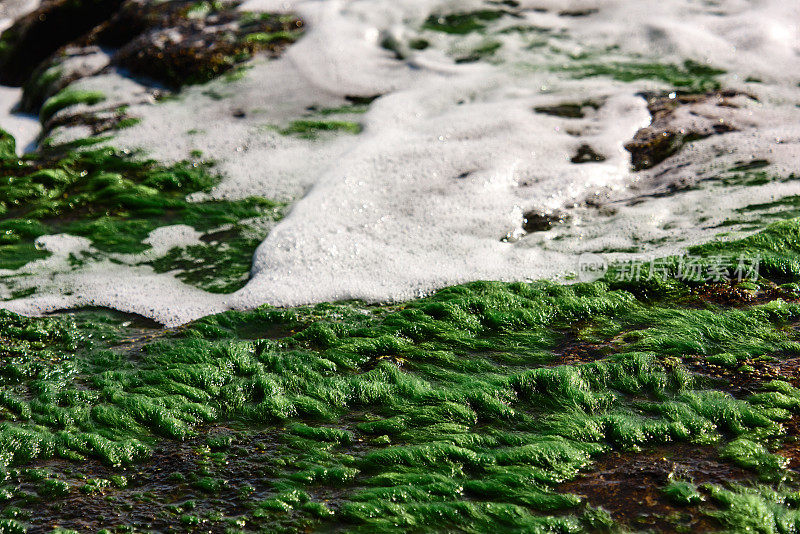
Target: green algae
(202, 8)
(66, 98)
(116, 200)
(682, 492)
(268, 38)
(15, 255)
(777, 247)
(754, 456)
(766, 212)
(469, 442)
(453, 412)
(690, 76)
(8, 145)
(128, 122)
(463, 23)
(756, 509)
(547, 52)
(311, 129)
(216, 267)
(483, 51)
(342, 110)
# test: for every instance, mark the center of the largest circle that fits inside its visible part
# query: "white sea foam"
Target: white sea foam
(24, 127)
(452, 155)
(10, 10)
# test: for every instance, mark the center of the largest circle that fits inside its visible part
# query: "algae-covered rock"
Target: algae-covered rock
(66, 66)
(116, 201)
(175, 43)
(68, 98)
(455, 412)
(195, 53)
(35, 37)
(182, 42)
(169, 44)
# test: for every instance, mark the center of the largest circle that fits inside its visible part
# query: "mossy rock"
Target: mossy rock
(180, 49)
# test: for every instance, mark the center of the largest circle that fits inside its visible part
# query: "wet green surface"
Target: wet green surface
(660, 404)
(311, 129)
(116, 200)
(67, 98)
(485, 406)
(690, 76)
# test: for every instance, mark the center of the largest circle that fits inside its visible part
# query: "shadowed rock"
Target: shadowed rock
(586, 154)
(69, 64)
(38, 35)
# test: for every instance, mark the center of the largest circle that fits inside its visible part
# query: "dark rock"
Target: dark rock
(568, 111)
(172, 43)
(650, 150)
(538, 221)
(418, 44)
(361, 100)
(38, 35)
(586, 154)
(667, 134)
(577, 12)
(630, 487)
(63, 68)
(136, 17)
(178, 50)
(750, 165)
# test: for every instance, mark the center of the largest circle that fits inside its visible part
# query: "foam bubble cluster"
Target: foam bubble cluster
(478, 122)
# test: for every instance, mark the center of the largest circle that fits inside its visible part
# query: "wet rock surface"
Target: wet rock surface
(630, 486)
(38, 35)
(71, 64)
(172, 43)
(568, 110)
(191, 479)
(179, 49)
(586, 154)
(539, 221)
(679, 119)
(534, 221)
